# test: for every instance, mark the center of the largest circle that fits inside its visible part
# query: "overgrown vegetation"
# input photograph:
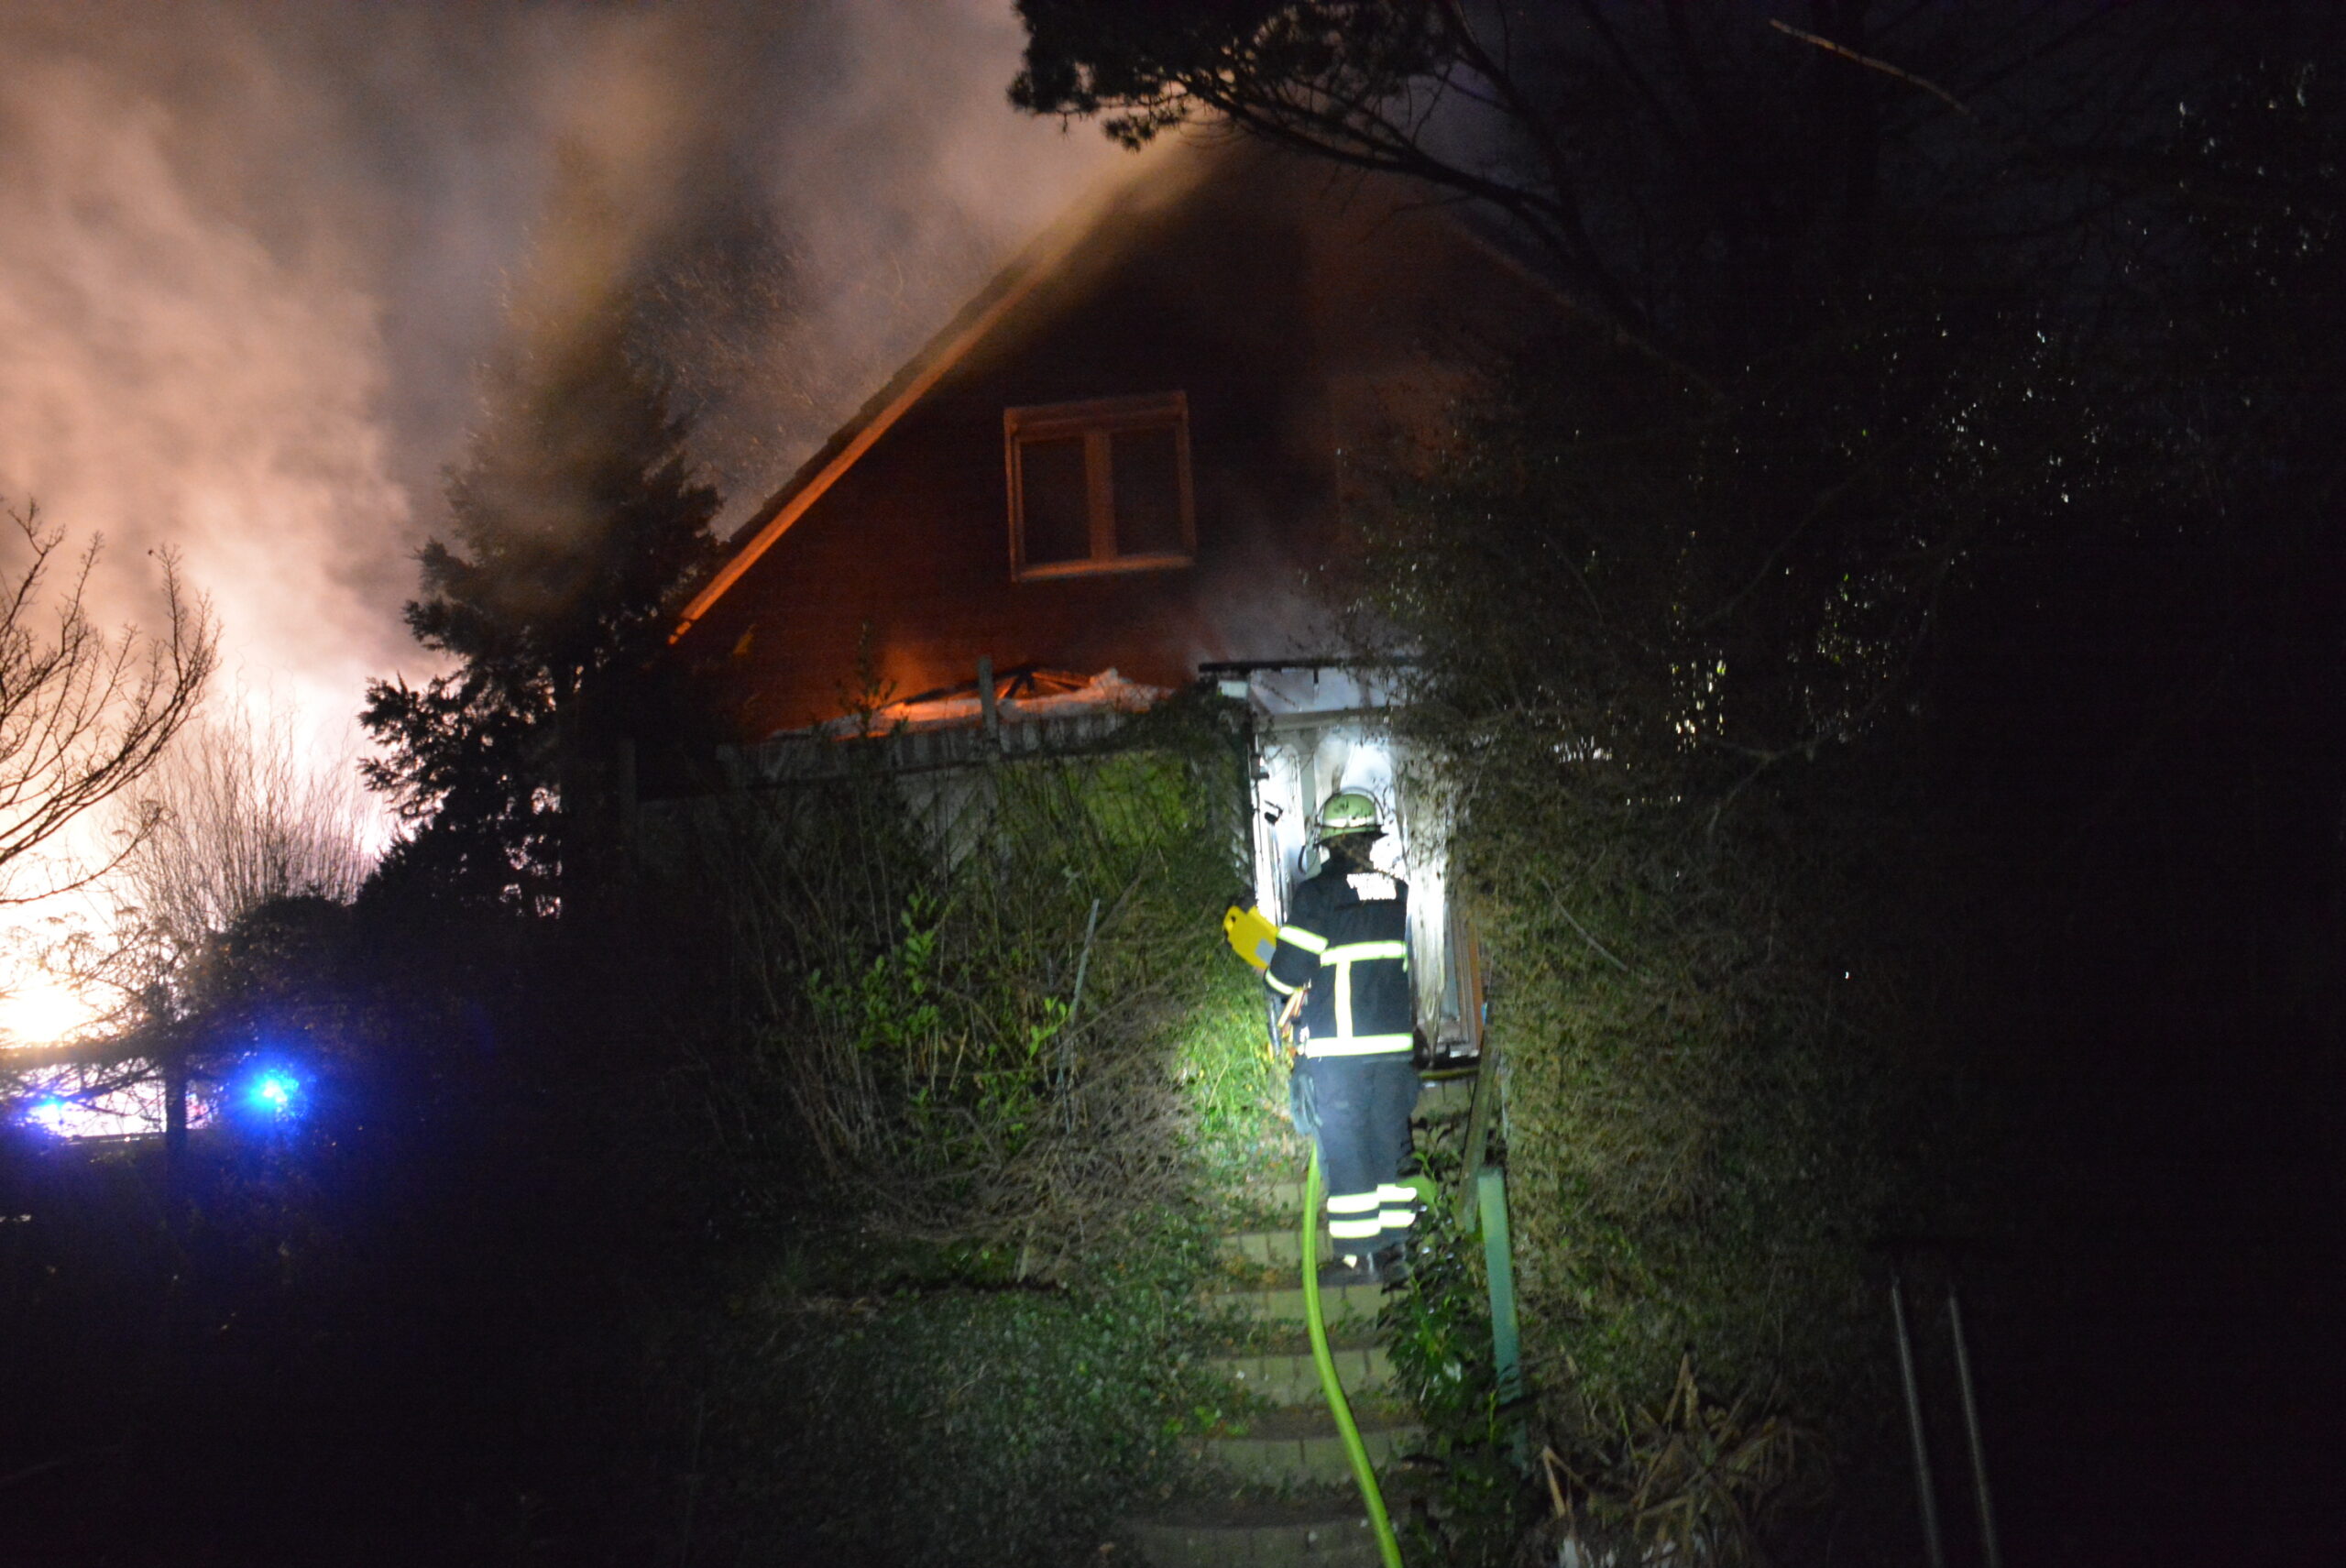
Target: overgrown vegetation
(1693, 882)
(982, 1061)
(1701, 605)
(836, 1195)
(1694, 1481)
(1438, 1334)
(960, 998)
(913, 1405)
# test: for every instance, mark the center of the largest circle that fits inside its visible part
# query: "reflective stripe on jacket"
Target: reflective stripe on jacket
(1347, 938)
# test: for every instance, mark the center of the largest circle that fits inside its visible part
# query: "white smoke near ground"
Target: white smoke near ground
(253, 255)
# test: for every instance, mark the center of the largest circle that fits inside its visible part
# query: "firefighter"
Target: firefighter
(1343, 967)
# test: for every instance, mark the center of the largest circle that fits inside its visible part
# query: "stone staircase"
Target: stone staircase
(1283, 1495)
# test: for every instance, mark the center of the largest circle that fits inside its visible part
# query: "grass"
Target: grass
(1235, 1091)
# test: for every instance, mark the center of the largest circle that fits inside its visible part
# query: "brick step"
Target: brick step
(1290, 1378)
(1299, 1446)
(1284, 1304)
(1273, 1249)
(1314, 1520)
(1311, 1532)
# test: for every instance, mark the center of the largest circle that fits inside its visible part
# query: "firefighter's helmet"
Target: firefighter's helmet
(1350, 811)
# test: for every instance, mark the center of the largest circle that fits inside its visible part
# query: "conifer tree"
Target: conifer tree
(575, 517)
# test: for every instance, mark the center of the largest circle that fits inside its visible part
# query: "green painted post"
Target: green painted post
(1490, 1194)
(1479, 1115)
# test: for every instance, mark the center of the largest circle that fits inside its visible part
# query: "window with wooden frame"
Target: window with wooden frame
(1099, 487)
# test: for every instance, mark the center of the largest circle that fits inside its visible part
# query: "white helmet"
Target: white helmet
(1350, 811)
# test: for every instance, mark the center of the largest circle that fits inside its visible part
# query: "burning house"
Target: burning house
(1118, 472)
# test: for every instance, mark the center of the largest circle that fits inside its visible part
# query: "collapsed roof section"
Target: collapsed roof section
(1019, 713)
(1019, 696)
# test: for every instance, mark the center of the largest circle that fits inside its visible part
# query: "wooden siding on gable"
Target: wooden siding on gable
(1252, 294)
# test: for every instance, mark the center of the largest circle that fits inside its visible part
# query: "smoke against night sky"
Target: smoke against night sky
(252, 255)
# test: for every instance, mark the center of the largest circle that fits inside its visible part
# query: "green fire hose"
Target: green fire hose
(1324, 1360)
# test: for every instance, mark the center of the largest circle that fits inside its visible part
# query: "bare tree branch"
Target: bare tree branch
(241, 815)
(85, 715)
(1871, 63)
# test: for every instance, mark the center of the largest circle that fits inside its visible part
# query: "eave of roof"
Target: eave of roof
(975, 322)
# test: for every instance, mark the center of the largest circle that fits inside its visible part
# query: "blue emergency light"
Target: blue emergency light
(275, 1092)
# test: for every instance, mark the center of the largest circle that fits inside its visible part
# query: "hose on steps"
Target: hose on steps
(1364, 1474)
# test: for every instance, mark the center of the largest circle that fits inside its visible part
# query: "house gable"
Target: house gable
(1231, 311)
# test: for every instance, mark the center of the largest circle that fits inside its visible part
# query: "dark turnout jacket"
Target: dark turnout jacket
(1347, 938)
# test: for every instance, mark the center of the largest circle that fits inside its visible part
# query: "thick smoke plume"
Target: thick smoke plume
(253, 255)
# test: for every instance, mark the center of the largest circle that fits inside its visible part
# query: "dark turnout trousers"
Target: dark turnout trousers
(1363, 1104)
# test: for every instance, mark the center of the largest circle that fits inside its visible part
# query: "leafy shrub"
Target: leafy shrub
(962, 1001)
(1668, 699)
(1703, 1134)
(984, 1063)
(953, 1420)
(1438, 1332)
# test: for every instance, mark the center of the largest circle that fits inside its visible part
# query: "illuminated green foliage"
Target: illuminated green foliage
(990, 1070)
(989, 1006)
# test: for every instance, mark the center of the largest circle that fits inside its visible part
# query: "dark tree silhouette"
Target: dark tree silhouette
(576, 515)
(1700, 175)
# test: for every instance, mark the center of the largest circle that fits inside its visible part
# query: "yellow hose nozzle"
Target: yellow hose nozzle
(1252, 935)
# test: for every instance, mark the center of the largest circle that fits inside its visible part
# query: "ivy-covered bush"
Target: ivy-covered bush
(948, 1414)
(958, 1001)
(983, 1069)
(1670, 715)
